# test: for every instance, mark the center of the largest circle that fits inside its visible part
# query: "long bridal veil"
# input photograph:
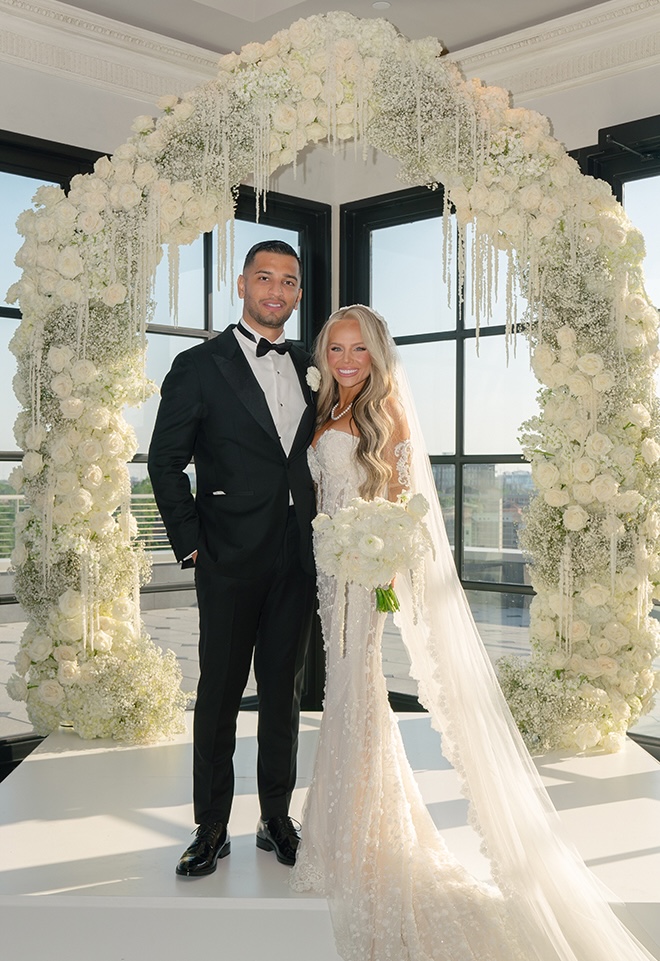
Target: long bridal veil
(559, 905)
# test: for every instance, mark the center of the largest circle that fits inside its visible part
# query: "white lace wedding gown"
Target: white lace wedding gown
(368, 841)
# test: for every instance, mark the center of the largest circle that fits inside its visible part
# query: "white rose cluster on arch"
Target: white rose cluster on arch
(89, 259)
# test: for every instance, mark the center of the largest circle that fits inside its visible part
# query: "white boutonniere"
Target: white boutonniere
(313, 377)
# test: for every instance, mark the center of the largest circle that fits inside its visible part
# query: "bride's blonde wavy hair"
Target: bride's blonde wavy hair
(370, 411)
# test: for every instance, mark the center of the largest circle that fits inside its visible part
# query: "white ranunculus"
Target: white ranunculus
(51, 692)
(584, 470)
(575, 518)
(566, 336)
(61, 385)
(650, 450)
(598, 444)
(33, 463)
(72, 407)
(604, 487)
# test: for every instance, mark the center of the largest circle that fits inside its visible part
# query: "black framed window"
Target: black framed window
(471, 400)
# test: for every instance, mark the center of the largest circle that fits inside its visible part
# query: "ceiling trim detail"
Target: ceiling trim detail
(613, 38)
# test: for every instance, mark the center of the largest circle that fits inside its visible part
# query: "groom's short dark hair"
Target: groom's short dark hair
(271, 247)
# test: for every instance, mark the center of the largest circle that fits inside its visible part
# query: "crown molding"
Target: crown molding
(63, 41)
(613, 38)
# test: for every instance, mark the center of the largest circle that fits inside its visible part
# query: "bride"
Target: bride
(368, 842)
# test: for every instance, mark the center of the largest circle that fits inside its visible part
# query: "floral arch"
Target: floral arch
(89, 260)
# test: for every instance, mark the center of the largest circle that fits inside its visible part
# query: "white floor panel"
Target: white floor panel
(90, 833)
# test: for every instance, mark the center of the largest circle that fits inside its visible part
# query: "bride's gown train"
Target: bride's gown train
(368, 842)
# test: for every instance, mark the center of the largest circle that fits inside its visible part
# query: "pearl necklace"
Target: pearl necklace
(334, 416)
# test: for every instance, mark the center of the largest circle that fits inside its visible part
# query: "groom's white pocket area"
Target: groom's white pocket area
(218, 493)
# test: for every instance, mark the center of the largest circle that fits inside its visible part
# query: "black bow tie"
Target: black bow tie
(263, 346)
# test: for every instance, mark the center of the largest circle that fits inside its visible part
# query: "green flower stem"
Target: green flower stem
(386, 599)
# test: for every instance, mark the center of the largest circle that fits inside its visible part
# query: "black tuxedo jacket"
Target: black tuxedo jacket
(213, 410)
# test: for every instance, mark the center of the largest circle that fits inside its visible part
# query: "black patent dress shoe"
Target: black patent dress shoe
(279, 834)
(211, 842)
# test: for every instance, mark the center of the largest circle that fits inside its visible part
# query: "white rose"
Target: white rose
(80, 501)
(16, 478)
(575, 518)
(19, 555)
(345, 114)
(113, 444)
(628, 501)
(59, 357)
(61, 385)
(578, 384)
(102, 642)
(635, 306)
(566, 336)
(60, 453)
(582, 493)
(69, 291)
(556, 497)
(168, 101)
(301, 34)
(580, 631)
(577, 429)
(92, 477)
(591, 364)
(226, 63)
(311, 87)
(184, 110)
(90, 221)
(114, 294)
(65, 652)
(17, 688)
(604, 487)
(51, 692)
(284, 117)
(97, 418)
(313, 378)
(101, 523)
(545, 474)
(616, 633)
(22, 662)
(608, 666)
(568, 356)
(39, 647)
(638, 415)
(62, 515)
(650, 450)
(251, 52)
(125, 196)
(586, 736)
(511, 223)
(595, 596)
(584, 470)
(602, 646)
(68, 672)
(94, 200)
(612, 526)
(69, 262)
(33, 463)
(35, 436)
(70, 603)
(65, 482)
(541, 226)
(623, 457)
(604, 381)
(598, 445)
(90, 450)
(552, 207)
(530, 197)
(71, 628)
(72, 407)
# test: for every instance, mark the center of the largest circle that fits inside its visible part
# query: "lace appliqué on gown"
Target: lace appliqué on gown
(369, 843)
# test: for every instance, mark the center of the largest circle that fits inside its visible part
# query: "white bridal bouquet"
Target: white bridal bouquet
(369, 542)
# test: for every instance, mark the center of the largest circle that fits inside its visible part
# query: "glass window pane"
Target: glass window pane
(641, 199)
(431, 370)
(16, 195)
(191, 287)
(8, 402)
(10, 504)
(494, 496)
(445, 484)
(227, 306)
(406, 278)
(151, 530)
(161, 351)
(499, 396)
(503, 622)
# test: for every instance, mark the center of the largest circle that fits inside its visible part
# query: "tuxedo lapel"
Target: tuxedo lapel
(235, 369)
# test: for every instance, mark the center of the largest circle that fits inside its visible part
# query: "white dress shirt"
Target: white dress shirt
(277, 377)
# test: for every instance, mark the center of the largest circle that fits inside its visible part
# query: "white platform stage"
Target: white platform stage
(90, 833)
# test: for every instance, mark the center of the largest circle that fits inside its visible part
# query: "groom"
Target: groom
(240, 406)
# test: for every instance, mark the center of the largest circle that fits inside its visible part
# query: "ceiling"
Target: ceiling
(224, 25)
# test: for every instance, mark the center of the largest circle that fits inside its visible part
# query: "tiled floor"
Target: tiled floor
(176, 629)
